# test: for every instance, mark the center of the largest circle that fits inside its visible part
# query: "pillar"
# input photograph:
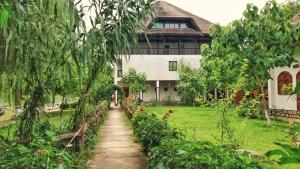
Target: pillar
(141, 96)
(216, 94)
(116, 97)
(157, 92)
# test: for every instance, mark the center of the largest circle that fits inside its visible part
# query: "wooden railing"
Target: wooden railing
(284, 113)
(165, 51)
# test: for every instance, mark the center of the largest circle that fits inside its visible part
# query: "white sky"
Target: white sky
(218, 11)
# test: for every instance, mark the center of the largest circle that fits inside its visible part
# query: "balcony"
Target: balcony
(165, 51)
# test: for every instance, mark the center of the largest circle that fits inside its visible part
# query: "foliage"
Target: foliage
(242, 53)
(129, 105)
(227, 131)
(293, 133)
(68, 105)
(137, 82)
(150, 130)
(287, 89)
(39, 41)
(43, 152)
(189, 84)
(169, 149)
(287, 154)
(115, 25)
(181, 153)
(96, 119)
(105, 93)
(250, 108)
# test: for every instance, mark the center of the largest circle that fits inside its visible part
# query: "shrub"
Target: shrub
(42, 152)
(150, 130)
(129, 105)
(105, 93)
(69, 105)
(250, 108)
(181, 153)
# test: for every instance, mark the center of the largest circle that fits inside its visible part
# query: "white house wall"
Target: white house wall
(277, 101)
(156, 67)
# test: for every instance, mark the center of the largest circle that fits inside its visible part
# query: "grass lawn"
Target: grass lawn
(200, 123)
(7, 116)
(54, 119)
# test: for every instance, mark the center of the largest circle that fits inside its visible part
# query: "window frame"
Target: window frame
(173, 66)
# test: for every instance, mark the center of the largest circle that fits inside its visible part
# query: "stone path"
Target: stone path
(117, 148)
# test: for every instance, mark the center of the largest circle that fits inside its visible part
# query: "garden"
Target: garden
(51, 55)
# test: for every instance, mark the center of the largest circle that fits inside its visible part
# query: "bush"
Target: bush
(168, 149)
(129, 105)
(105, 93)
(181, 153)
(250, 108)
(42, 152)
(69, 105)
(150, 130)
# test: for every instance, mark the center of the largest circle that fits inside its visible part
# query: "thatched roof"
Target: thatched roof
(164, 10)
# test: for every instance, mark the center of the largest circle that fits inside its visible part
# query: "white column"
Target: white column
(141, 96)
(116, 97)
(157, 92)
(205, 95)
(116, 83)
(216, 94)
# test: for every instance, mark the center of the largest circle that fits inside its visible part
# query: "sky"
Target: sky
(218, 11)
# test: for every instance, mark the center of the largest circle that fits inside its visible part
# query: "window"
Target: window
(284, 81)
(165, 89)
(171, 24)
(172, 65)
(158, 25)
(175, 89)
(167, 50)
(120, 73)
(183, 25)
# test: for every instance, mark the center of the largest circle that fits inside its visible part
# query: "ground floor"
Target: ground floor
(159, 91)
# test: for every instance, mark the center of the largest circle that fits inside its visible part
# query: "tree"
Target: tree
(39, 41)
(189, 84)
(137, 82)
(115, 25)
(248, 48)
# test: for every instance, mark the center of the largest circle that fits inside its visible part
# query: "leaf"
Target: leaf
(4, 15)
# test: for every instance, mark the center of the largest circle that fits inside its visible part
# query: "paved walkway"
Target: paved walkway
(117, 148)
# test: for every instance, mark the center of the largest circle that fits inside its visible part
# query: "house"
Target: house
(173, 36)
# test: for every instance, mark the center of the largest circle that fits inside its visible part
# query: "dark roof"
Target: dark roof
(164, 10)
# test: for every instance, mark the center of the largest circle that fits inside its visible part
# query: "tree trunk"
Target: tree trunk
(79, 116)
(263, 98)
(17, 92)
(28, 116)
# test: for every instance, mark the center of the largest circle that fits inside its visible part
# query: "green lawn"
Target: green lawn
(54, 119)
(200, 123)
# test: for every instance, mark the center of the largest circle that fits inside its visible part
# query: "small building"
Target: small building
(283, 81)
(173, 36)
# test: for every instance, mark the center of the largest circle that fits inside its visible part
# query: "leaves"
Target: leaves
(287, 154)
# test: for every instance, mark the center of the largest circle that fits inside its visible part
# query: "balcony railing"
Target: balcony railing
(165, 51)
